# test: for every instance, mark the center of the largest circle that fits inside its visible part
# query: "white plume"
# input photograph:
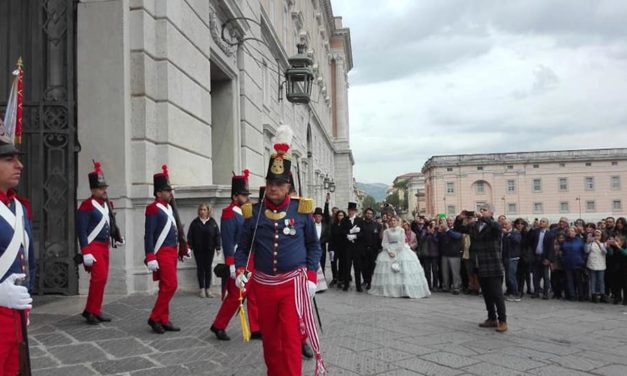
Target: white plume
(284, 135)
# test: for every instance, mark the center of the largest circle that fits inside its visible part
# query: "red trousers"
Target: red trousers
(280, 329)
(231, 303)
(167, 258)
(99, 274)
(10, 337)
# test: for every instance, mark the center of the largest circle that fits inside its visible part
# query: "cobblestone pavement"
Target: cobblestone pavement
(363, 335)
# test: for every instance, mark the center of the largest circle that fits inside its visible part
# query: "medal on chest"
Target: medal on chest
(289, 227)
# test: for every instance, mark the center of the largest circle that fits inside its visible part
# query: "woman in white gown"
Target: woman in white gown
(398, 272)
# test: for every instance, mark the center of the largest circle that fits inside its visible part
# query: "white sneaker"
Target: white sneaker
(203, 294)
(210, 294)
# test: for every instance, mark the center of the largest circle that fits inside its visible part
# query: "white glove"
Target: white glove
(153, 265)
(188, 256)
(121, 242)
(14, 296)
(355, 230)
(351, 237)
(89, 259)
(241, 280)
(311, 288)
(232, 271)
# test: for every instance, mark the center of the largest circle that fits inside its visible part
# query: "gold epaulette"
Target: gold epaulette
(305, 205)
(247, 210)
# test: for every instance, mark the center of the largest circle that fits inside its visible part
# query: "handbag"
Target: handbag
(396, 267)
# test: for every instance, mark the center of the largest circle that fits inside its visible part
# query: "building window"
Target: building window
(511, 186)
(536, 166)
(562, 164)
(615, 183)
(450, 210)
(564, 207)
(449, 169)
(563, 184)
(480, 187)
(589, 183)
(537, 185)
(614, 163)
(510, 167)
(538, 208)
(588, 164)
(617, 205)
(511, 209)
(590, 206)
(450, 187)
(479, 205)
(480, 168)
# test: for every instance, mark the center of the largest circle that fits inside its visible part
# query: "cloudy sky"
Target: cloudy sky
(435, 77)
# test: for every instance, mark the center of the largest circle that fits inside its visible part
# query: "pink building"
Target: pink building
(584, 184)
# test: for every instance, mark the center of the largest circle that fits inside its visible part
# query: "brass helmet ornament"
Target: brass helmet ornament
(280, 161)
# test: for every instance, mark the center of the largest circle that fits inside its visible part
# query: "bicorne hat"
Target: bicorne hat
(161, 180)
(280, 161)
(96, 177)
(239, 184)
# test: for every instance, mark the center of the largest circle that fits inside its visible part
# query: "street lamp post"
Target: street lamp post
(579, 199)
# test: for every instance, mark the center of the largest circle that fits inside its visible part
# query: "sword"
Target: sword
(318, 314)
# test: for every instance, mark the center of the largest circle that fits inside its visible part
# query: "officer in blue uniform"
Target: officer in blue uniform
(17, 258)
(286, 257)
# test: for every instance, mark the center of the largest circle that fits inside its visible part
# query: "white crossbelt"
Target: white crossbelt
(16, 221)
(104, 210)
(166, 229)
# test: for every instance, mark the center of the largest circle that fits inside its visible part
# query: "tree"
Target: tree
(369, 202)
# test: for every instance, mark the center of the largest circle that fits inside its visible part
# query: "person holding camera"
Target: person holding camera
(485, 253)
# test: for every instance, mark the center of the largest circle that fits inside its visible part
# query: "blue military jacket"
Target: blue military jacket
(88, 218)
(156, 220)
(285, 239)
(6, 234)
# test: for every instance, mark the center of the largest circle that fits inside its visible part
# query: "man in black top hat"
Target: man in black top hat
(352, 226)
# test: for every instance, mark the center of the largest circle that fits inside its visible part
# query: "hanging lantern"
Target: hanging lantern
(299, 77)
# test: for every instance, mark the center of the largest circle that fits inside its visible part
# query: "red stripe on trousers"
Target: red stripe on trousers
(231, 303)
(167, 258)
(280, 329)
(99, 274)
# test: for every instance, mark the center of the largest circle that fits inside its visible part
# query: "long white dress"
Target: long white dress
(410, 280)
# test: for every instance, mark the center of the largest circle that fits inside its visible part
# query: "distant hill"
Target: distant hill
(376, 190)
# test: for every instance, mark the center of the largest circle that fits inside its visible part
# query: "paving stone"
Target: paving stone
(399, 372)
(518, 363)
(387, 354)
(487, 369)
(426, 368)
(576, 362)
(124, 347)
(75, 354)
(123, 365)
(76, 370)
(168, 344)
(53, 339)
(43, 362)
(554, 370)
(449, 359)
(97, 333)
(164, 371)
(612, 370)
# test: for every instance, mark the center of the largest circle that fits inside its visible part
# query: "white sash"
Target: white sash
(104, 210)
(166, 228)
(16, 221)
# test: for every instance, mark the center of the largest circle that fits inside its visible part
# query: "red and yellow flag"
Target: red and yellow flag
(13, 114)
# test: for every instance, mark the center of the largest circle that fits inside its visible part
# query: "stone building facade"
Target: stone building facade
(588, 184)
(158, 84)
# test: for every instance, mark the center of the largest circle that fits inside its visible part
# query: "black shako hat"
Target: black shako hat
(6, 144)
(239, 184)
(161, 180)
(96, 177)
(262, 192)
(280, 162)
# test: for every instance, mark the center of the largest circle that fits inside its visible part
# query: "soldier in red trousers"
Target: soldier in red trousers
(230, 228)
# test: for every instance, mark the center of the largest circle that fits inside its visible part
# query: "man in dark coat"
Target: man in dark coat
(372, 231)
(352, 228)
(485, 253)
(542, 246)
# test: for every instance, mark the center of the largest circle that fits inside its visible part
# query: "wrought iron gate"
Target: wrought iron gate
(43, 33)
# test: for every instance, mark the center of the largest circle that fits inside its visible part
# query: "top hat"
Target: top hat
(352, 205)
(280, 161)
(318, 211)
(239, 184)
(6, 143)
(161, 180)
(96, 177)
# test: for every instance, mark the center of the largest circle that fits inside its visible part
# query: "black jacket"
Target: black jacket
(511, 242)
(203, 238)
(485, 250)
(548, 252)
(372, 235)
(346, 227)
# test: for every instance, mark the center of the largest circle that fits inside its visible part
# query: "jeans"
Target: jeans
(597, 281)
(574, 283)
(431, 272)
(512, 280)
